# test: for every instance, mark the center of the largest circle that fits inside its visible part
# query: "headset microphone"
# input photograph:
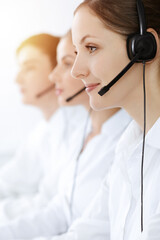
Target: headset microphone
(76, 94)
(107, 87)
(45, 91)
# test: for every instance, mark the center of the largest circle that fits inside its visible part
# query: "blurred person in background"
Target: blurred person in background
(24, 181)
(89, 162)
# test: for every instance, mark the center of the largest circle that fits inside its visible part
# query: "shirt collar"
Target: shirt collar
(57, 122)
(153, 135)
(130, 138)
(116, 124)
(133, 136)
(54, 116)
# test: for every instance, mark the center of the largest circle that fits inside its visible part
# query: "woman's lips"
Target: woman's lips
(90, 87)
(58, 91)
(22, 90)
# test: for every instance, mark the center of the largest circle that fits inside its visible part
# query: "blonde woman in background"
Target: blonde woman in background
(25, 183)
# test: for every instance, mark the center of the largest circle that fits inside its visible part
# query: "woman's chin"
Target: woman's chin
(62, 102)
(25, 101)
(97, 105)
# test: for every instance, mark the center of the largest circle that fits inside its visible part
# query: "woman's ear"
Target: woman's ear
(155, 34)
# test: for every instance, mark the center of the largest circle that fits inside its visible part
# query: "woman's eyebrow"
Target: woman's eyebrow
(86, 36)
(67, 56)
(30, 61)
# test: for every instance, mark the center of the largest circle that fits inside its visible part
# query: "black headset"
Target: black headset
(144, 46)
(141, 47)
(144, 42)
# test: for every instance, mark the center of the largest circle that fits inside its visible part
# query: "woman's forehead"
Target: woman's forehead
(86, 23)
(65, 48)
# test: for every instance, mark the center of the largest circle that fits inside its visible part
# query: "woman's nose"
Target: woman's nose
(79, 69)
(54, 75)
(19, 77)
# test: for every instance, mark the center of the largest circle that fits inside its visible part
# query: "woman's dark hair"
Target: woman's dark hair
(121, 15)
(45, 43)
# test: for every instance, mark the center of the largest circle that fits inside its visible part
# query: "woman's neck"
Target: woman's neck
(97, 120)
(49, 110)
(48, 105)
(136, 108)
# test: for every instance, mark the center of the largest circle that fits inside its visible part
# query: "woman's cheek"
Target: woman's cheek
(100, 69)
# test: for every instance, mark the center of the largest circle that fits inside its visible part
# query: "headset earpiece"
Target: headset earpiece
(141, 47)
(143, 43)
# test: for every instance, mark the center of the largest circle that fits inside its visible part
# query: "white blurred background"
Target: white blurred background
(20, 19)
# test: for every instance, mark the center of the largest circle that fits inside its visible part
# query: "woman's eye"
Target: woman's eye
(68, 64)
(30, 68)
(91, 49)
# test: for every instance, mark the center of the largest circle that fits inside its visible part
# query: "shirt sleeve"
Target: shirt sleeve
(50, 221)
(94, 223)
(67, 236)
(56, 220)
(18, 176)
